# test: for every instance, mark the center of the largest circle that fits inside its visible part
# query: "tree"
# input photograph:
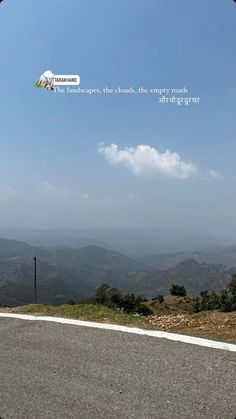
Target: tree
(178, 290)
(225, 301)
(129, 303)
(144, 310)
(197, 304)
(115, 297)
(232, 287)
(208, 301)
(102, 293)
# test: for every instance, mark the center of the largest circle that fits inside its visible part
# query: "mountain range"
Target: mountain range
(65, 273)
(225, 255)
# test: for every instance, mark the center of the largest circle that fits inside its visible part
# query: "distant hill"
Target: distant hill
(217, 254)
(94, 259)
(69, 273)
(11, 248)
(194, 276)
(62, 273)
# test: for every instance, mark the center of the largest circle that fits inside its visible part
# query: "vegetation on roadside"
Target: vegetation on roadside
(224, 301)
(88, 312)
(109, 305)
(178, 290)
(207, 315)
(173, 313)
(115, 299)
(159, 298)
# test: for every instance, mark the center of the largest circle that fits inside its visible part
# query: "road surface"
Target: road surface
(50, 370)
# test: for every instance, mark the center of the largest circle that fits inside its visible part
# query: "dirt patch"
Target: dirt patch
(211, 324)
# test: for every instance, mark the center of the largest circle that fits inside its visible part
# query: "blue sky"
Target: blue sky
(51, 174)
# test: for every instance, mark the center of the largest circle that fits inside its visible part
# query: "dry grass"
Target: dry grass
(89, 312)
(172, 305)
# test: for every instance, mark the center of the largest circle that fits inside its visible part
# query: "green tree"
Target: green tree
(102, 294)
(225, 301)
(232, 287)
(197, 304)
(129, 303)
(115, 297)
(178, 290)
(144, 310)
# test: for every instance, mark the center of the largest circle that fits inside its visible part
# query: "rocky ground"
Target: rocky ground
(213, 324)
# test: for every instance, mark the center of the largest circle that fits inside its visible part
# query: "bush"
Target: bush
(197, 305)
(72, 302)
(160, 299)
(102, 294)
(178, 290)
(144, 310)
(232, 288)
(144, 299)
(225, 301)
(130, 303)
(114, 298)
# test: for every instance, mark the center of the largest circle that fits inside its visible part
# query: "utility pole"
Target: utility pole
(35, 282)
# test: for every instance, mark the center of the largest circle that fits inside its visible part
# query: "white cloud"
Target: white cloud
(145, 160)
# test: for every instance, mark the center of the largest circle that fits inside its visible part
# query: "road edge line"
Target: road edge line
(213, 344)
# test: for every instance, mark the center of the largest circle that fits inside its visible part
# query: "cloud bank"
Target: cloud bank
(144, 160)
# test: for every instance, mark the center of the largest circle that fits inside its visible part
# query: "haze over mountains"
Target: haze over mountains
(131, 241)
(66, 273)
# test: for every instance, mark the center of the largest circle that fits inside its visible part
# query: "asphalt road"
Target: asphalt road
(49, 370)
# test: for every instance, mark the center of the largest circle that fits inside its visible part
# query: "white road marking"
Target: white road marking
(154, 333)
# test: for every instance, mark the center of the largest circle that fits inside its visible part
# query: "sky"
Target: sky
(118, 160)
